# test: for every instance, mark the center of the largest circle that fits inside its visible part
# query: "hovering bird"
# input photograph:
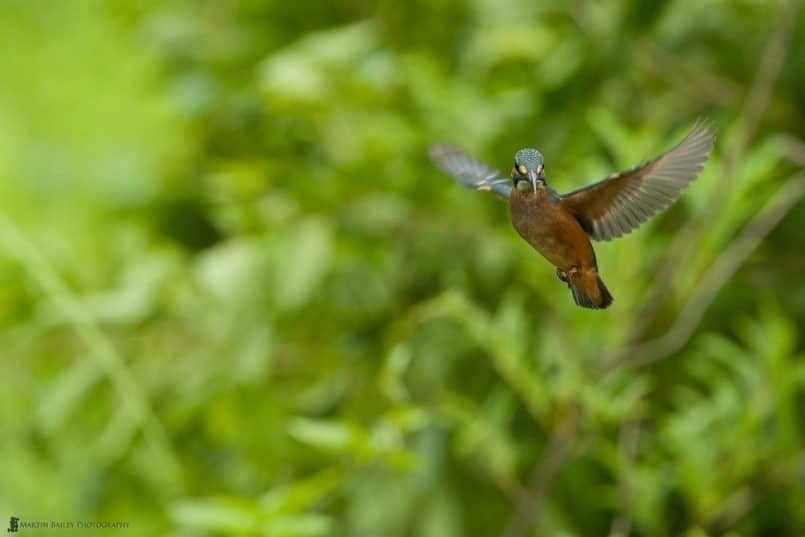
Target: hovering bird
(560, 226)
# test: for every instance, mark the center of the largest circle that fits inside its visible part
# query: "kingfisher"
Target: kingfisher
(560, 226)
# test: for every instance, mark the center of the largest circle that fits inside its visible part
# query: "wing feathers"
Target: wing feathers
(469, 171)
(623, 201)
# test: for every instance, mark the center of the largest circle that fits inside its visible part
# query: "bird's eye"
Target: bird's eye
(523, 186)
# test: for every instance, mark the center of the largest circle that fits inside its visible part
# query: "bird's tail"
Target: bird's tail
(589, 291)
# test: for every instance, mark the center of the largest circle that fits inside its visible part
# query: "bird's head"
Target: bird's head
(529, 170)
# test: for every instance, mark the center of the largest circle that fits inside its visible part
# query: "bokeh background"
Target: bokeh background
(237, 299)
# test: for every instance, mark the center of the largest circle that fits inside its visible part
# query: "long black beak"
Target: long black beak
(534, 176)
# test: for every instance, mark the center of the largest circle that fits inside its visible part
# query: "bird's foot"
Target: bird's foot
(567, 276)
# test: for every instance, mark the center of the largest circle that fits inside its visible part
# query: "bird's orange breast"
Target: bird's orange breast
(551, 230)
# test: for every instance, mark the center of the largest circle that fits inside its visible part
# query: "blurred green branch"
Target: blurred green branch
(490, 334)
(133, 399)
(558, 453)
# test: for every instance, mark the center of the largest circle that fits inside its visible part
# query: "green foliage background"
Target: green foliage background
(237, 299)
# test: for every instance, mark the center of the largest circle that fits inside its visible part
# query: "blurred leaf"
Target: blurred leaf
(304, 263)
(300, 495)
(321, 433)
(220, 515)
(299, 526)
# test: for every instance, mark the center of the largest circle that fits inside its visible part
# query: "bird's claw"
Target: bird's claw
(567, 276)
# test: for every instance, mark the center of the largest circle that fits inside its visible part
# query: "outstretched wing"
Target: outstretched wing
(620, 203)
(469, 171)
